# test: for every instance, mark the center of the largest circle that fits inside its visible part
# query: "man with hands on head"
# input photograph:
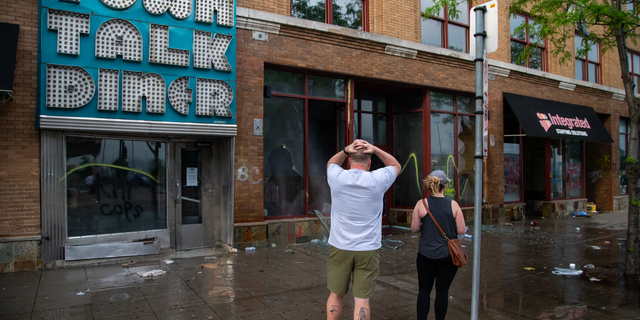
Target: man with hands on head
(357, 197)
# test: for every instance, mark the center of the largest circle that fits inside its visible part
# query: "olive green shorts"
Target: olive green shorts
(365, 266)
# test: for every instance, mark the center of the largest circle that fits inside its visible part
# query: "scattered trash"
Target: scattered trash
(577, 229)
(167, 261)
(80, 293)
(128, 264)
(593, 279)
(250, 249)
(392, 244)
(589, 266)
(572, 266)
(566, 272)
(315, 241)
(208, 266)
(466, 229)
(534, 223)
(580, 214)
(537, 228)
(233, 250)
(595, 247)
(152, 273)
(529, 268)
(324, 239)
(211, 258)
(273, 245)
(414, 236)
(289, 250)
(468, 236)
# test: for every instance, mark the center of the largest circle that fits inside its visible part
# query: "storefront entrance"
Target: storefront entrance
(193, 197)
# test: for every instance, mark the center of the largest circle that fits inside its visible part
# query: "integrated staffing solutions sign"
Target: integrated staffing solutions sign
(158, 60)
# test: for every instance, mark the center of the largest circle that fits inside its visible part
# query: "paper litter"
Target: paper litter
(167, 261)
(566, 272)
(152, 273)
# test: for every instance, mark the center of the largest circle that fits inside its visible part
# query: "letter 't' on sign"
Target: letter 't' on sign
(223, 8)
(159, 51)
(207, 51)
(180, 95)
(118, 4)
(136, 85)
(119, 37)
(68, 87)
(69, 25)
(108, 87)
(213, 95)
(179, 9)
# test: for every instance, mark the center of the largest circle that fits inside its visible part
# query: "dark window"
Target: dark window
(587, 67)
(114, 186)
(344, 13)
(452, 134)
(444, 31)
(408, 147)
(634, 67)
(522, 40)
(303, 128)
(624, 146)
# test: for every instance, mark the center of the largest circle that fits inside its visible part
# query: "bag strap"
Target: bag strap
(424, 203)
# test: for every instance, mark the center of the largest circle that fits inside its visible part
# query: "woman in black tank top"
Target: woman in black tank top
(434, 260)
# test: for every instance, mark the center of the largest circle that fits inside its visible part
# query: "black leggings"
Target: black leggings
(442, 271)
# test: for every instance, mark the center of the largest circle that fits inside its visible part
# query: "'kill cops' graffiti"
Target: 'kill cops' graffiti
(134, 61)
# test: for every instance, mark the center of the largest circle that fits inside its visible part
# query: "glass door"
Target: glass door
(191, 200)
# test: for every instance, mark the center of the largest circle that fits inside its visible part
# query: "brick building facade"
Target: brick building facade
(388, 59)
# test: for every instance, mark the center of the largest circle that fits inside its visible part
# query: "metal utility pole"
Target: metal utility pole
(477, 203)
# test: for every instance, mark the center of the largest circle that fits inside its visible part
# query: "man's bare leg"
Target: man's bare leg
(334, 306)
(361, 311)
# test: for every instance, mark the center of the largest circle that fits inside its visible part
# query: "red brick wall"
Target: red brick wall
(19, 142)
(314, 50)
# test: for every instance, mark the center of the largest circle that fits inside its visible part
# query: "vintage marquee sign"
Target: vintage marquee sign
(162, 60)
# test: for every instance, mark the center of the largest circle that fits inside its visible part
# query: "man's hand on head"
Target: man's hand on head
(362, 144)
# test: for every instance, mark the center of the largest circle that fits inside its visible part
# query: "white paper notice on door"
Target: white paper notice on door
(192, 177)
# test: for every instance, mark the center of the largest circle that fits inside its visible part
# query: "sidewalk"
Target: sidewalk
(290, 282)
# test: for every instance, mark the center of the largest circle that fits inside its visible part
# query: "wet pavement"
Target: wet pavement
(289, 282)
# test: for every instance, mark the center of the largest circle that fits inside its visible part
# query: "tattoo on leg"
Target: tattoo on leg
(334, 309)
(362, 315)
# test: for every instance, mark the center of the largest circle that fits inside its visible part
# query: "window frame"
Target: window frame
(445, 27)
(427, 138)
(306, 97)
(527, 42)
(624, 135)
(328, 14)
(634, 71)
(585, 63)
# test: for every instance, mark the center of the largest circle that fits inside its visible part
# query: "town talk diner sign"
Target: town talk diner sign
(162, 60)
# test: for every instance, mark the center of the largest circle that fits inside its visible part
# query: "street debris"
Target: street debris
(152, 273)
(233, 250)
(589, 266)
(273, 245)
(392, 244)
(129, 264)
(595, 247)
(566, 272)
(580, 214)
(529, 268)
(289, 250)
(167, 261)
(80, 293)
(211, 258)
(208, 266)
(534, 223)
(592, 279)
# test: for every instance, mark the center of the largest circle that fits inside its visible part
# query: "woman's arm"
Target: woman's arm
(457, 213)
(416, 223)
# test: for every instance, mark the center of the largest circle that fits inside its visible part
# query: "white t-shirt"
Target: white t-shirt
(357, 200)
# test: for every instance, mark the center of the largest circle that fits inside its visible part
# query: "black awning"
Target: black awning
(552, 119)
